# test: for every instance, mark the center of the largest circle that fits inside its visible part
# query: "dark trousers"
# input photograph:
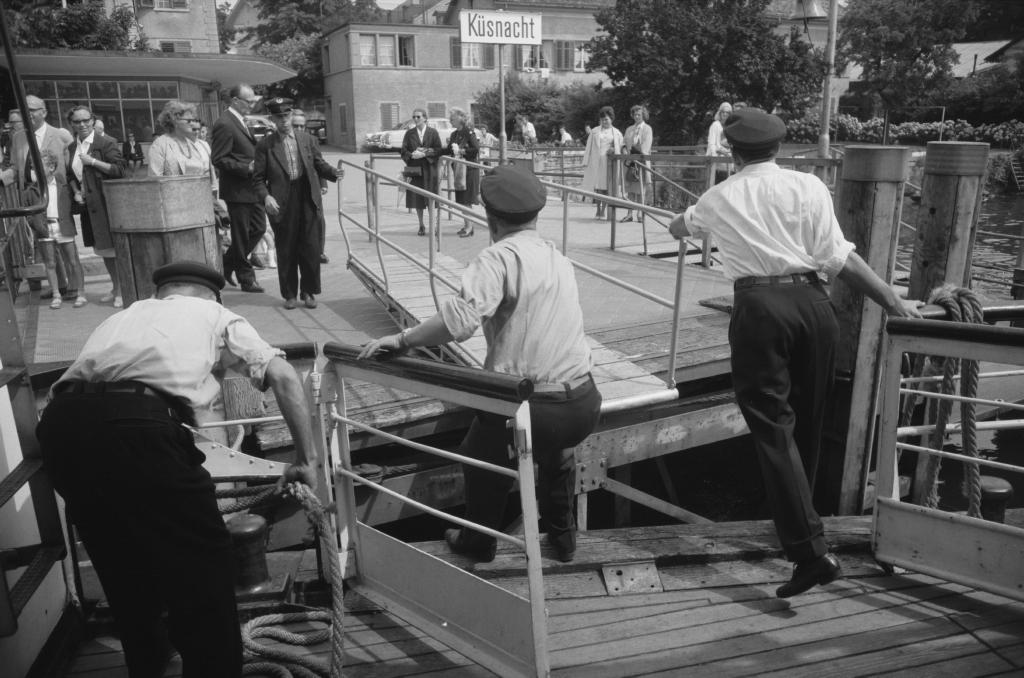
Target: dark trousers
(297, 239)
(783, 341)
(146, 512)
(248, 224)
(557, 424)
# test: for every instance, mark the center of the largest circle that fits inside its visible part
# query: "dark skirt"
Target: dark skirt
(470, 196)
(427, 181)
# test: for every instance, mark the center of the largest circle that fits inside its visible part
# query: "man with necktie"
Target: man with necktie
(287, 177)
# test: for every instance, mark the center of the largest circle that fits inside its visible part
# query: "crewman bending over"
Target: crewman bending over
(114, 442)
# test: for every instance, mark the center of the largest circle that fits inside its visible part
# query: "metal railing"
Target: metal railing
(457, 607)
(963, 548)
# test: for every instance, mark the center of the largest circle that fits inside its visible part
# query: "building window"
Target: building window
(172, 4)
(389, 116)
(368, 50)
(386, 50)
(532, 57)
(471, 55)
(565, 53)
(582, 57)
(182, 46)
(406, 54)
(326, 57)
(437, 109)
(343, 118)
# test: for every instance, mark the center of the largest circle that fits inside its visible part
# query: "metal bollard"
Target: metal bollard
(995, 495)
(249, 539)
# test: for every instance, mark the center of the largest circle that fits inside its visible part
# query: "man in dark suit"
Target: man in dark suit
(232, 151)
(287, 175)
(92, 159)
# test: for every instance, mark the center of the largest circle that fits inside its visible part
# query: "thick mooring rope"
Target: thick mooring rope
(962, 306)
(274, 661)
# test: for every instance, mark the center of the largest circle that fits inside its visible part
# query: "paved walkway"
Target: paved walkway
(346, 312)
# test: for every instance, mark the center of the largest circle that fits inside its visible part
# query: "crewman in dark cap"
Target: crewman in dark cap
(115, 443)
(777, 234)
(523, 291)
(287, 177)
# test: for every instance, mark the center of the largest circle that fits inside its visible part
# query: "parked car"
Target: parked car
(391, 140)
(318, 128)
(259, 126)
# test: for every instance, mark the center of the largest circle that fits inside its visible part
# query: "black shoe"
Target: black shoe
(229, 277)
(422, 231)
(324, 259)
(483, 550)
(251, 287)
(308, 299)
(806, 575)
(255, 261)
(564, 545)
(465, 232)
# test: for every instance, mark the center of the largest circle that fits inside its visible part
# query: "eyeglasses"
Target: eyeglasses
(189, 119)
(417, 117)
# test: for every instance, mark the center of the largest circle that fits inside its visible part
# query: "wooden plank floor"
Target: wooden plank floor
(716, 616)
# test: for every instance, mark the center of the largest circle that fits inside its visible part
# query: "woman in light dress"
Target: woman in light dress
(638, 139)
(177, 151)
(603, 140)
(718, 145)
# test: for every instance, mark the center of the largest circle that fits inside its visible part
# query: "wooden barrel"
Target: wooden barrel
(158, 220)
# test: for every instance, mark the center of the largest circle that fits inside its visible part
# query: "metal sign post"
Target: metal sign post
(500, 28)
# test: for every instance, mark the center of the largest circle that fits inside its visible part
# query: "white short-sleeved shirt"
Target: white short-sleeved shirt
(771, 221)
(523, 291)
(179, 345)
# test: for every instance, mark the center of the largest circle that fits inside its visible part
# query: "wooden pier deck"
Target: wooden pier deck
(707, 608)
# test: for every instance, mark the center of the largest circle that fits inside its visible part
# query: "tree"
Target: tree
(80, 26)
(545, 104)
(225, 35)
(905, 48)
(291, 33)
(683, 58)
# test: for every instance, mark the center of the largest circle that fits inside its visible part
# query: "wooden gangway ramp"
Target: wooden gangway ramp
(410, 299)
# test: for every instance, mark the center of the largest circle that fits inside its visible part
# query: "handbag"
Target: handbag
(409, 172)
(460, 176)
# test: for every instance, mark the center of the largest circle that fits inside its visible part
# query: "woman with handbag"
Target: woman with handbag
(420, 149)
(638, 140)
(55, 229)
(464, 144)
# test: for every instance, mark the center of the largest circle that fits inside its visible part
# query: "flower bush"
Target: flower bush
(1009, 134)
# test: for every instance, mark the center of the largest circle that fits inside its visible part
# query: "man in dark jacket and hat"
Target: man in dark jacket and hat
(777, 233)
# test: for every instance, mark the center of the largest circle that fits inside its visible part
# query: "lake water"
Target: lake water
(995, 254)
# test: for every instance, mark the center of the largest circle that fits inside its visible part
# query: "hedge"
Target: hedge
(849, 129)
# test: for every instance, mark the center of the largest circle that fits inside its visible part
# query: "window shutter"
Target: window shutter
(488, 56)
(456, 52)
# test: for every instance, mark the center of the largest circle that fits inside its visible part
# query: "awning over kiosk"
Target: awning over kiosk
(226, 69)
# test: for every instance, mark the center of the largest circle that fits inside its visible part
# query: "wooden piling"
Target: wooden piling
(868, 206)
(947, 223)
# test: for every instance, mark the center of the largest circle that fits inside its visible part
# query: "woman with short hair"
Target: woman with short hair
(464, 144)
(177, 152)
(638, 140)
(603, 140)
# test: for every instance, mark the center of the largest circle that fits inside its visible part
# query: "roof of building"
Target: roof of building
(221, 68)
(973, 56)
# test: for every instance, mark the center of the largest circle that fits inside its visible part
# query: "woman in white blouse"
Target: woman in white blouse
(177, 152)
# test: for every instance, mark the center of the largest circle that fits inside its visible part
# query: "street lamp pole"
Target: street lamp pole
(830, 61)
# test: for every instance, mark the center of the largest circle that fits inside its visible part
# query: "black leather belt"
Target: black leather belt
(177, 409)
(808, 278)
(136, 387)
(561, 390)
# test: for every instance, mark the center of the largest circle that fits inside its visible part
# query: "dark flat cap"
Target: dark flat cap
(751, 129)
(279, 106)
(512, 193)
(191, 272)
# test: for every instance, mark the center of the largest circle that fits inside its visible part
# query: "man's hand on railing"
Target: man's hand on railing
(392, 343)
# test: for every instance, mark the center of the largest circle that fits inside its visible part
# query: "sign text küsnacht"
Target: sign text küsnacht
(508, 28)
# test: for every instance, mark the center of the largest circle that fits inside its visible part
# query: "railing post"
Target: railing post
(870, 199)
(947, 221)
(371, 212)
